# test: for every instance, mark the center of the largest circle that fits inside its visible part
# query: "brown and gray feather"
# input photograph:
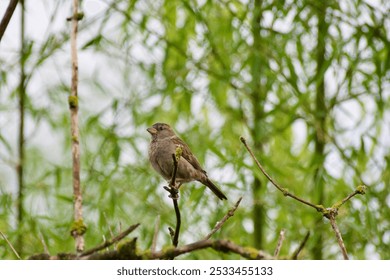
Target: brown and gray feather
(163, 145)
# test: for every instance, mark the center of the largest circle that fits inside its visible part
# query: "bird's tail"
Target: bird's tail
(207, 182)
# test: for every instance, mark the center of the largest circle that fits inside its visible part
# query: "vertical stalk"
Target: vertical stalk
(320, 118)
(20, 166)
(258, 96)
(78, 228)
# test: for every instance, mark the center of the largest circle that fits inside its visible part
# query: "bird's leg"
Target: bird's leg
(173, 190)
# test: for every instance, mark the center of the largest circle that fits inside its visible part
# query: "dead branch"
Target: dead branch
(301, 246)
(280, 243)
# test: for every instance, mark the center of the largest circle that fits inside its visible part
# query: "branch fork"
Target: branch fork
(329, 213)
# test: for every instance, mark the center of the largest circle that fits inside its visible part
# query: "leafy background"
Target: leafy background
(306, 82)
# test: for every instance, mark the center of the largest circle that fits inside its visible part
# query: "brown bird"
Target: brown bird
(163, 145)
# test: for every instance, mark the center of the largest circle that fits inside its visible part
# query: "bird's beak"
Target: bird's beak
(152, 130)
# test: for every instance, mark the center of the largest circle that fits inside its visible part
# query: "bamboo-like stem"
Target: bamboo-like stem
(21, 147)
(78, 229)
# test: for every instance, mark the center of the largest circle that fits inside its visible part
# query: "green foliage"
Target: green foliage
(214, 70)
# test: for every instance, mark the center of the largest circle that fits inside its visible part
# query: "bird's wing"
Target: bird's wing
(187, 154)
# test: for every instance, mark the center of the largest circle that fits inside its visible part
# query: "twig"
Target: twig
(285, 192)
(301, 246)
(156, 228)
(330, 213)
(7, 16)
(332, 219)
(220, 223)
(110, 242)
(109, 227)
(45, 248)
(78, 228)
(359, 190)
(174, 194)
(10, 245)
(280, 243)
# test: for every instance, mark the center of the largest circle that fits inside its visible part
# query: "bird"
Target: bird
(162, 145)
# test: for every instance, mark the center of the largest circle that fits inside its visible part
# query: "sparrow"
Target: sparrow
(163, 144)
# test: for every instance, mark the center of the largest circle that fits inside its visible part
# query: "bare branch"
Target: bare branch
(359, 190)
(110, 242)
(285, 192)
(7, 16)
(332, 218)
(220, 223)
(280, 243)
(174, 194)
(301, 246)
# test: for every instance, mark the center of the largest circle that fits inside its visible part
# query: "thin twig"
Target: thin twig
(359, 190)
(301, 246)
(108, 225)
(155, 235)
(7, 16)
(280, 242)
(220, 223)
(108, 243)
(332, 218)
(45, 248)
(174, 194)
(10, 245)
(285, 192)
(175, 240)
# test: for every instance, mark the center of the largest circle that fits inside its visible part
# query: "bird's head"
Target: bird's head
(160, 131)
